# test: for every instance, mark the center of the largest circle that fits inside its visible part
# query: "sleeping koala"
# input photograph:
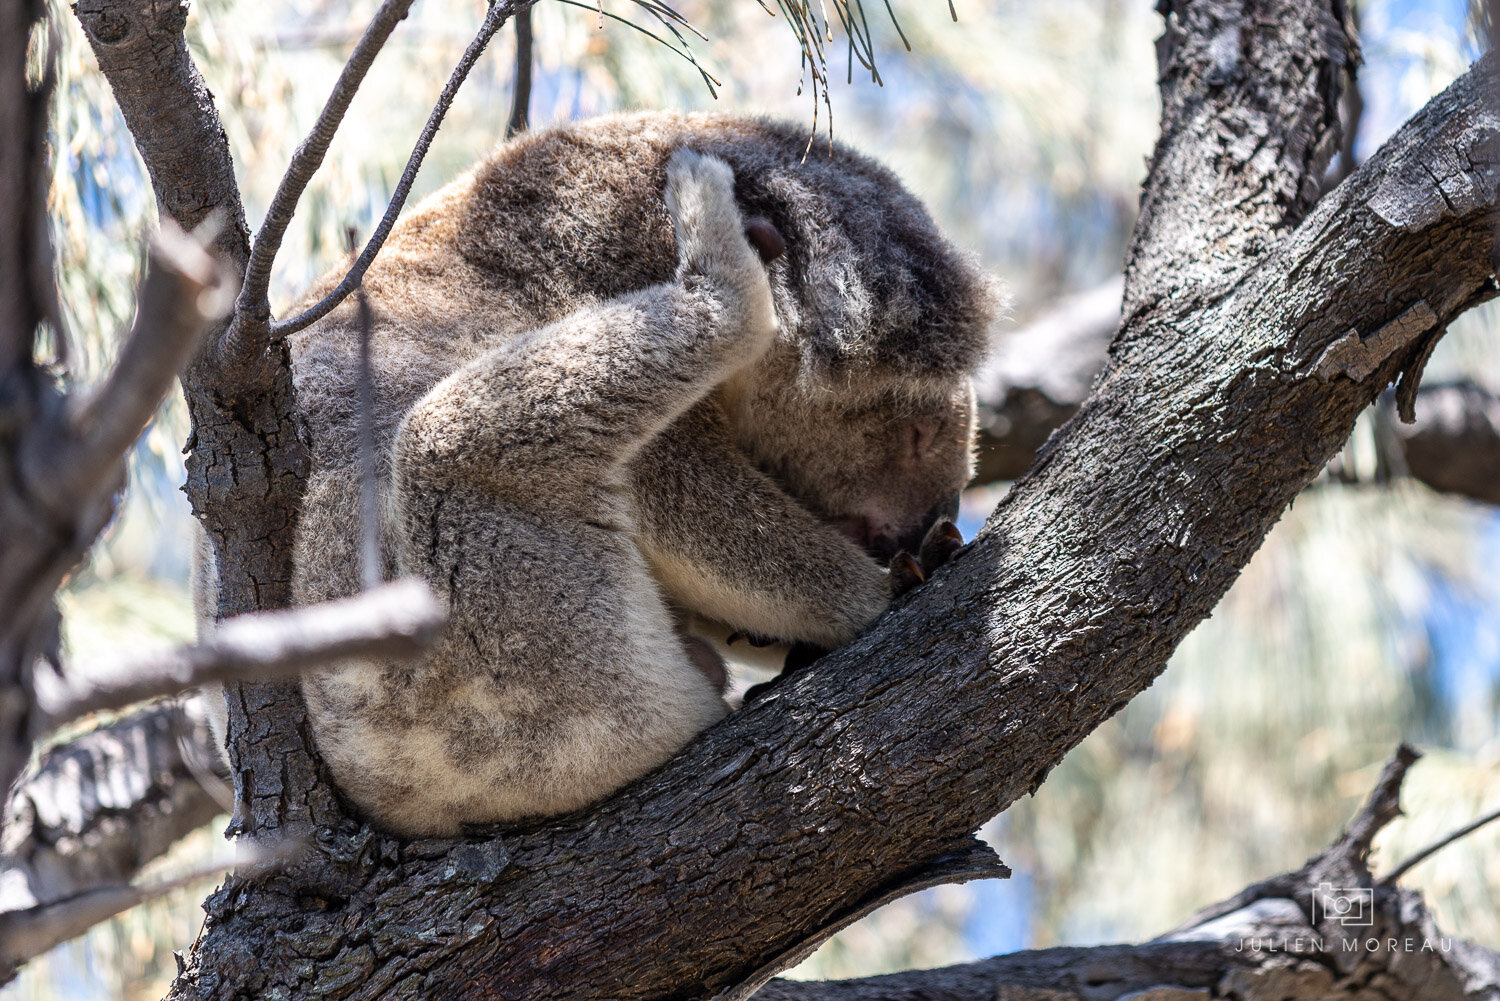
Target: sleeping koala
(604, 412)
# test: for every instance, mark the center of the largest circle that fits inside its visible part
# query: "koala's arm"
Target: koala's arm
(728, 542)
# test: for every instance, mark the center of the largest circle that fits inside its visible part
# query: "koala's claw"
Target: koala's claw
(906, 573)
(942, 541)
(765, 238)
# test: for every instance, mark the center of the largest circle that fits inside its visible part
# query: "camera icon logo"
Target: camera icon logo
(1352, 907)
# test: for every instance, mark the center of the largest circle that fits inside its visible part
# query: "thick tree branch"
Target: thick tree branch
(394, 621)
(142, 51)
(247, 460)
(1128, 530)
(1249, 126)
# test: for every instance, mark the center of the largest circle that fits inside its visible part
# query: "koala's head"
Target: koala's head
(864, 408)
(882, 461)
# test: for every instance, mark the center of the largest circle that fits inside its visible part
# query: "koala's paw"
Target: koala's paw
(943, 539)
(715, 243)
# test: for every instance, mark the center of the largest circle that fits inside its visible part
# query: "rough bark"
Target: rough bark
(248, 455)
(1041, 373)
(94, 811)
(1284, 938)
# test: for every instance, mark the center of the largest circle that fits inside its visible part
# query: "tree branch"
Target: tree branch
(142, 51)
(1249, 128)
(68, 462)
(253, 310)
(1128, 530)
(520, 98)
(494, 20)
(1454, 444)
(396, 620)
(1271, 942)
(95, 810)
(29, 932)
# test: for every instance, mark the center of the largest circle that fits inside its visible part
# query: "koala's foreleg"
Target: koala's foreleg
(561, 675)
(729, 543)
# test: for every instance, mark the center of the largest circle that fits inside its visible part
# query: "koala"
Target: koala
(631, 374)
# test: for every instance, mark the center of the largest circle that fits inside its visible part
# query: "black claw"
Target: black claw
(942, 541)
(906, 573)
(765, 238)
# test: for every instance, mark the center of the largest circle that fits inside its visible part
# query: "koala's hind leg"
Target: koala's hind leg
(561, 675)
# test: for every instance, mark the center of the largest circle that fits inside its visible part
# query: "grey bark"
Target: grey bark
(867, 769)
(97, 809)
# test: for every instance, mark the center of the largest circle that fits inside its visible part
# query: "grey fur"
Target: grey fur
(601, 414)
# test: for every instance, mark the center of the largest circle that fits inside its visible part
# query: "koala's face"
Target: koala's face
(882, 462)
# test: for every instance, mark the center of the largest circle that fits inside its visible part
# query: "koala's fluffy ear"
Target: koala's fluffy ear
(870, 281)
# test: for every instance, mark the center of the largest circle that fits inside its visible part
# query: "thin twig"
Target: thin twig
(396, 620)
(184, 290)
(253, 310)
(1423, 855)
(493, 21)
(685, 52)
(520, 98)
(369, 514)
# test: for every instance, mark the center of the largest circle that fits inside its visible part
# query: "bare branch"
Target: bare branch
(26, 934)
(1454, 445)
(520, 98)
(1417, 858)
(1038, 376)
(253, 310)
(493, 21)
(1041, 372)
(143, 53)
(95, 810)
(396, 620)
(183, 292)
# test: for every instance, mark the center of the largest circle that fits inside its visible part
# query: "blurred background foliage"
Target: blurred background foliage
(1371, 614)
